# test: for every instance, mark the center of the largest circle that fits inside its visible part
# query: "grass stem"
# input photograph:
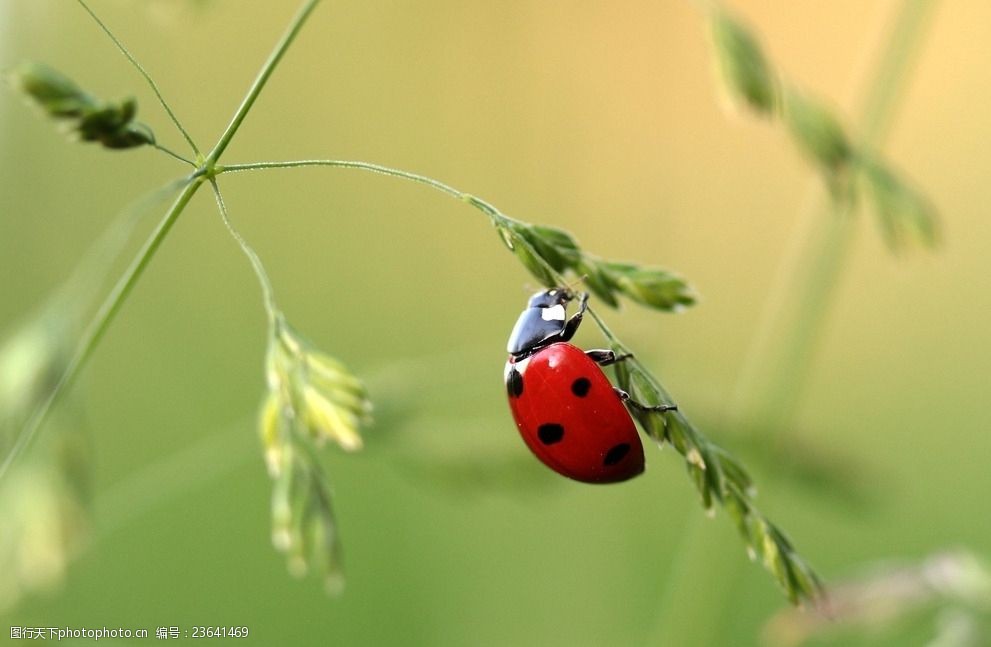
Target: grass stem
(260, 80)
(783, 350)
(352, 164)
(174, 155)
(266, 284)
(147, 77)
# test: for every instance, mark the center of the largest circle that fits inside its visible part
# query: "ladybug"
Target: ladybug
(568, 413)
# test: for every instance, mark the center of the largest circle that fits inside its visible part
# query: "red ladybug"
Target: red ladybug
(567, 411)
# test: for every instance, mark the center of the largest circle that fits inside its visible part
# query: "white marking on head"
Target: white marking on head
(554, 313)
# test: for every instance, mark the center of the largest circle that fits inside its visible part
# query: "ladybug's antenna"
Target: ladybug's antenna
(571, 284)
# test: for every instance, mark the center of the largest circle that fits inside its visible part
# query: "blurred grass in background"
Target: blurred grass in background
(601, 120)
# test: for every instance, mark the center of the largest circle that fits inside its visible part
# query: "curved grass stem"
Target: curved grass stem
(352, 164)
(256, 263)
(147, 77)
(174, 155)
(496, 216)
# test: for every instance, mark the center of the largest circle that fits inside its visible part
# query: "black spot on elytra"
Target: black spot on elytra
(514, 383)
(550, 433)
(581, 386)
(616, 454)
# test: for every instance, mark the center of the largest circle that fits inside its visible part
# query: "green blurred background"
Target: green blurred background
(600, 118)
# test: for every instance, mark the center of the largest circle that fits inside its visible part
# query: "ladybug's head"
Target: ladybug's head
(550, 298)
(544, 321)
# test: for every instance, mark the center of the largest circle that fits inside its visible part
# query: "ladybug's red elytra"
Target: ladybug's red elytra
(568, 413)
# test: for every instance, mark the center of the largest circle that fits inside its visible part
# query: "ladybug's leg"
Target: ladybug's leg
(639, 406)
(606, 357)
(571, 327)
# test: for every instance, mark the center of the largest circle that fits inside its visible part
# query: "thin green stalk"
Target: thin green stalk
(352, 164)
(256, 263)
(260, 81)
(491, 211)
(174, 155)
(778, 364)
(147, 77)
(100, 322)
(496, 216)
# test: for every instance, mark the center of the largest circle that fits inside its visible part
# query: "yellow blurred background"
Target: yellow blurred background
(600, 118)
